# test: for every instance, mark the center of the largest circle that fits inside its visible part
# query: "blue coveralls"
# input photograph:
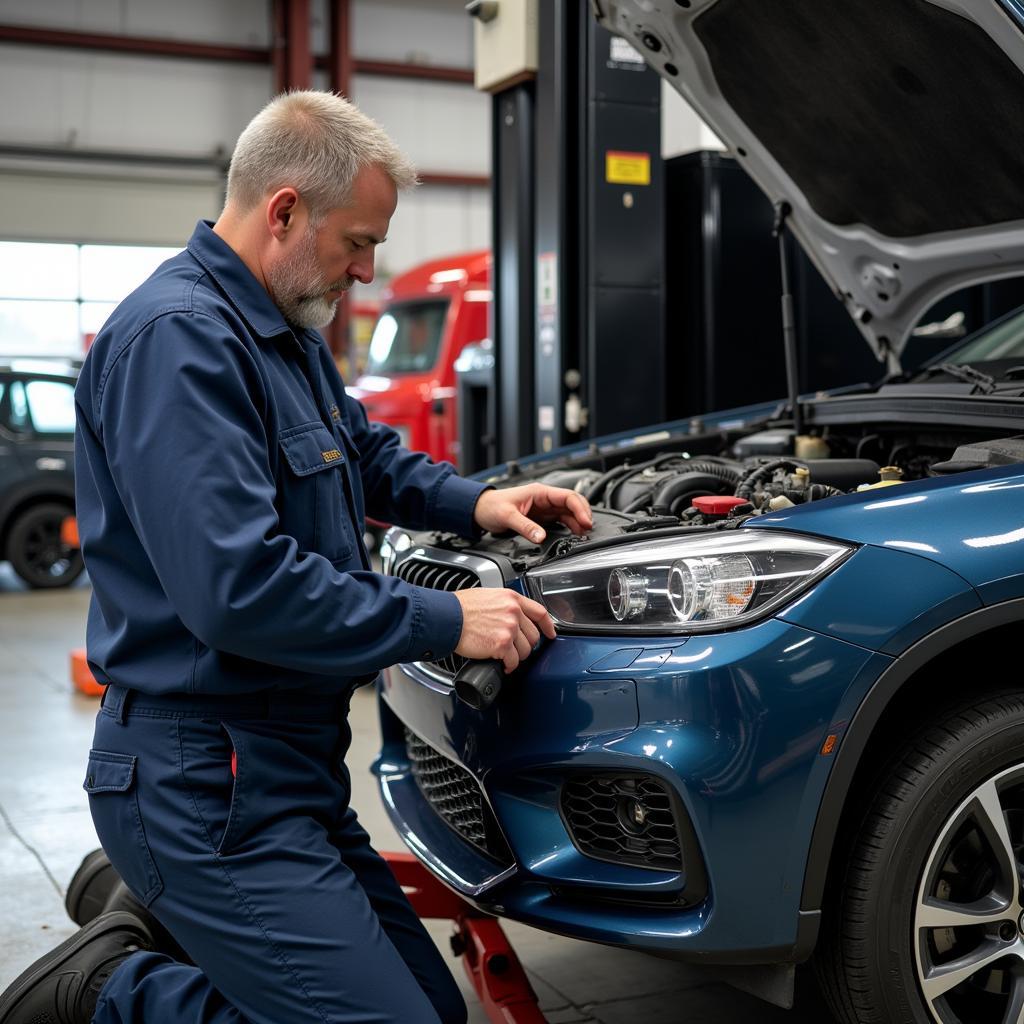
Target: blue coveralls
(222, 473)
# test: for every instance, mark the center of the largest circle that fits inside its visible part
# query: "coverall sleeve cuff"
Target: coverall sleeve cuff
(453, 505)
(438, 625)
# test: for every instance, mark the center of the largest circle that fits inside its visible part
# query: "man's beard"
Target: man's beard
(300, 288)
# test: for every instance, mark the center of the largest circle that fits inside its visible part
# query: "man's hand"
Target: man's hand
(499, 623)
(511, 508)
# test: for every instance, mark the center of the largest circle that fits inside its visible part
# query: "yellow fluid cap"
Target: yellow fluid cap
(877, 484)
(888, 475)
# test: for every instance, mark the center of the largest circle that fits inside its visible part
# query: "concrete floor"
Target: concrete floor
(45, 829)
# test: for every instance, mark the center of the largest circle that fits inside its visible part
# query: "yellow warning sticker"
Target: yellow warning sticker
(627, 168)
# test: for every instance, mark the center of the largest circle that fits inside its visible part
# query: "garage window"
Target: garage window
(54, 298)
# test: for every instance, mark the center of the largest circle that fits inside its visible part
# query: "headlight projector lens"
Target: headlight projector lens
(711, 587)
(627, 594)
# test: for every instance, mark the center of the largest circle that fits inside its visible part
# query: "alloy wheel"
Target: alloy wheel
(44, 551)
(969, 918)
(36, 551)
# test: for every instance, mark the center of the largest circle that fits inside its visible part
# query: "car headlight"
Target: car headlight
(682, 584)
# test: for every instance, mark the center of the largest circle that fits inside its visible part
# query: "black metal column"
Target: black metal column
(559, 257)
(578, 191)
(512, 311)
(624, 229)
(599, 232)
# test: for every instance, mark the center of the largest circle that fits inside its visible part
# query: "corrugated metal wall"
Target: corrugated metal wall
(56, 99)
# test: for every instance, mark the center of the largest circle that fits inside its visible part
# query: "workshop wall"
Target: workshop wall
(59, 101)
(682, 131)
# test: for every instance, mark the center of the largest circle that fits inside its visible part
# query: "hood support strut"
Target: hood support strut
(782, 211)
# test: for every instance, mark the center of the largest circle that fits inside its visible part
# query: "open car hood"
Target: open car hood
(892, 128)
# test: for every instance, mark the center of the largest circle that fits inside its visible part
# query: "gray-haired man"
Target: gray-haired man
(223, 475)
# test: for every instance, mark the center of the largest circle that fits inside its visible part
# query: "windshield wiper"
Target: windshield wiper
(982, 381)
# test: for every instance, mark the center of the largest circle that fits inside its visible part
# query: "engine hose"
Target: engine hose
(745, 488)
(819, 491)
(685, 501)
(699, 482)
(596, 489)
(720, 470)
(613, 487)
(700, 462)
(707, 463)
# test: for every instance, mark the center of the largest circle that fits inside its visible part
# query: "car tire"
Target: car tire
(932, 878)
(36, 552)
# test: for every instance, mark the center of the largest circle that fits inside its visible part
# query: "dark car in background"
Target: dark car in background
(37, 484)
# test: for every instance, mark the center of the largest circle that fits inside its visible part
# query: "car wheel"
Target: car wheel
(927, 922)
(36, 552)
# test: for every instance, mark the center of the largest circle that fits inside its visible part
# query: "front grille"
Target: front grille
(455, 795)
(627, 819)
(439, 577)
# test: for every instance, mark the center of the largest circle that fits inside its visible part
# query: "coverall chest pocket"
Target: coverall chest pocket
(312, 503)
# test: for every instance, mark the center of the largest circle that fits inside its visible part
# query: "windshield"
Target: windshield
(1003, 341)
(407, 337)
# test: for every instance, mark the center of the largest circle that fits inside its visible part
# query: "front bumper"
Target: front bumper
(731, 724)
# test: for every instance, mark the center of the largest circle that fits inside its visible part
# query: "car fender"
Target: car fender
(862, 726)
(883, 600)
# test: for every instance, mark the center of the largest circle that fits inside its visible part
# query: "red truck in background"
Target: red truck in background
(428, 315)
(362, 318)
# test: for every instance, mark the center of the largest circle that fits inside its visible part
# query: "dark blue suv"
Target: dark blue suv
(783, 717)
(37, 484)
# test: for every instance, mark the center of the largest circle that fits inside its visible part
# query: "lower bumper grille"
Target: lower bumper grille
(626, 819)
(457, 798)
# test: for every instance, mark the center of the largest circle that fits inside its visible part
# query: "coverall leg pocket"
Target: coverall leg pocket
(114, 804)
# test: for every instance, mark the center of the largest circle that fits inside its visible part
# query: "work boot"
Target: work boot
(90, 887)
(96, 888)
(63, 986)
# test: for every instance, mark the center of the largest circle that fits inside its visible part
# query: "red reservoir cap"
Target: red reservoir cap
(717, 504)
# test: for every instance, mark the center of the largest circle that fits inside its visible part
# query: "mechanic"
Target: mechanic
(222, 472)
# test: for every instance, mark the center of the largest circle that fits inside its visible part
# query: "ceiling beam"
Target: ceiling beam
(140, 46)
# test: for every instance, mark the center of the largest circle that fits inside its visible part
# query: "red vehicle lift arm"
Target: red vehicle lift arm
(491, 963)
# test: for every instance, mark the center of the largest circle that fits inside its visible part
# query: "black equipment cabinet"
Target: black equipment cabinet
(723, 333)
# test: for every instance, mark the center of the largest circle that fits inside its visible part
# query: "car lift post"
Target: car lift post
(492, 965)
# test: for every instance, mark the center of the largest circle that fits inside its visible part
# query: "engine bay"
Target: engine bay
(720, 480)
